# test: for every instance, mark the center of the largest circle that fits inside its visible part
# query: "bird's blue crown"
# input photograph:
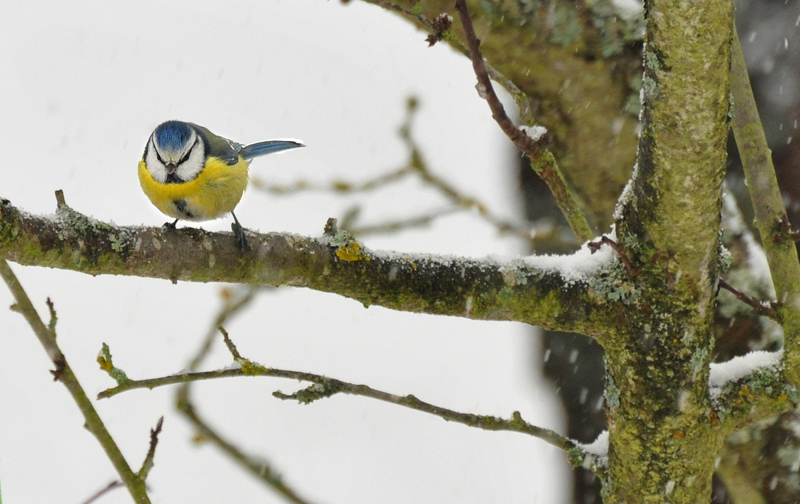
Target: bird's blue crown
(172, 135)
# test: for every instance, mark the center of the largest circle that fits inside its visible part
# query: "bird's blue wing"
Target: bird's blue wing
(267, 147)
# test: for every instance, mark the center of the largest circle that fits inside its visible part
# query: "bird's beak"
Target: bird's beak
(171, 167)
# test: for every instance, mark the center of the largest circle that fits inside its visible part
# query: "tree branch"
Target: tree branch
(477, 289)
(541, 159)
(433, 26)
(149, 459)
(668, 222)
(100, 493)
(771, 219)
(758, 306)
(563, 73)
(260, 468)
(64, 374)
(325, 387)
(761, 394)
(416, 165)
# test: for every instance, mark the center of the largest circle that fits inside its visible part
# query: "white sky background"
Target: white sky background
(84, 83)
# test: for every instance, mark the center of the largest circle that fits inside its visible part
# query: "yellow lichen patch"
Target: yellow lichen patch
(250, 368)
(347, 248)
(351, 251)
(104, 359)
(105, 364)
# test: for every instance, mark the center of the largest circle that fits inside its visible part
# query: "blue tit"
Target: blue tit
(192, 174)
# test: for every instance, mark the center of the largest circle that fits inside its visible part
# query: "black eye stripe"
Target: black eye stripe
(181, 160)
(159, 157)
(188, 152)
(152, 143)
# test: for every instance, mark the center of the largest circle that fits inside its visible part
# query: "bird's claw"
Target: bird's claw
(239, 235)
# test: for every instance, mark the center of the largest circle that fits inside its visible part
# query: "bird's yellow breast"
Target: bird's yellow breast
(215, 191)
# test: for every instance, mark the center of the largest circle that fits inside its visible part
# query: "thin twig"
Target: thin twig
(229, 343)
(420, 166)
(337, 186)
(605, 240)
(411, 222)
(758, 306)
(541, 159)
(326, 387)
(175, 379)
(233, 303)
(64, 374)
(147, 465)
(522, 100)
(103, 491)
(262, 469)
(416, 166)
(149, 459)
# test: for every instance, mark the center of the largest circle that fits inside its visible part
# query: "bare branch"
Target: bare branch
(398, 225)
(103, 491)
(64, 374)
(770, 214)
(326, 387)
(435, 28)
(758, 306)
(337, 186)
(542, 160)
(416, 165)
(262, 469)
(149, 459)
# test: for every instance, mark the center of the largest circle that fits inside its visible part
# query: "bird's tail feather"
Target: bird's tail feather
(268, 147)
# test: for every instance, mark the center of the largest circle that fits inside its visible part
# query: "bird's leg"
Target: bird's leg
(238, 233)
(170, 225)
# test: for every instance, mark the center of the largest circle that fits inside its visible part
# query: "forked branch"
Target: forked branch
(542, 160)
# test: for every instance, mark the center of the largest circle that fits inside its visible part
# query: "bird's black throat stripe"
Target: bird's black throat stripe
(181, 206)
(173, 178)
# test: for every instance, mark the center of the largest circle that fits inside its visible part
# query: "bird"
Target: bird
(191, 174)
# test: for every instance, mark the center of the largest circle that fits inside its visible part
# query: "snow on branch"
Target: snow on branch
(579, 266)
(739, 367)
(543, 294)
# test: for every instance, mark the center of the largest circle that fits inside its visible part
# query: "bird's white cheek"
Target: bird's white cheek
(189, 169)
(154, 166)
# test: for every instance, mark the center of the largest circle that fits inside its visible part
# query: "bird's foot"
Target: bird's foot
(171, 225)
(239, 235)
